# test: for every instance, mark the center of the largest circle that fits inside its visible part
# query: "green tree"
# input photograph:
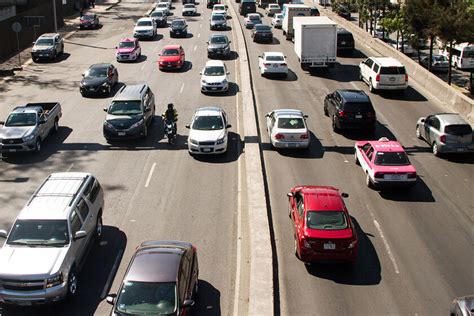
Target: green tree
(395, 22)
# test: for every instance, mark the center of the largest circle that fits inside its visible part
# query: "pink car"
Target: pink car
(128, 49)
(385, 163)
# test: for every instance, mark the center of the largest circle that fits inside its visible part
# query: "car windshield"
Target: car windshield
(254, 17)
(392, 70)
(144, 23)
(147, 298)
(217, 17)
(468, 54)
(214, 71)
(189, 6)
(170, 52)
(39, 233)
(21, 119)
(458, 130)
(358, 106)
(219, 8)
(96, 72)
(208, 123)
(45, 41)
(278, 16)
(326, 220)
(126, 45)
(218, 40)
(264, 28)
(439, 58)
(163, 5)
(157, 14)
(391, 159)
(274, 58)
(125, 108)
(88, 17)
(178, 23)
(290, 122)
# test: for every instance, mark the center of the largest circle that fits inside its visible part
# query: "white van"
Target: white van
(383, 73)
(463, 55)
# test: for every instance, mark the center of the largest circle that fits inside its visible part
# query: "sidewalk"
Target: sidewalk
(11, 65)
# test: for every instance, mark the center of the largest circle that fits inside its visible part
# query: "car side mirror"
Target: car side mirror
(34, 43)
(105, 109)
(80, 234)
(345, 195)
(111, 299)
(83, 74)
(289, 194)
(2, 123)
(207, 42)
(228, 126)
(230, 42)
(422, 120)
(305, 116)
(188, 303)
(226, 6)
(228, 72)
(147, 109)
(260, 56)
(3, 233)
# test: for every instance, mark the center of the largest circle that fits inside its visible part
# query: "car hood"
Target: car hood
(202, 136)
(29, 261)
(213, 79)
(86, 21)
(16, 131)
(122, 121)
(143, 28)
(93, 81)
(217, 46)
(170, 59)
(43, 47)
(125, 50)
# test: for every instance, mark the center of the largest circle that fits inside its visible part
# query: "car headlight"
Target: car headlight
(107, 124)
(220, 141)
(140, 122)
(193, 141)
(105, 84)
(28, 138)
(56, 280)
(203, 81)
(224, 81)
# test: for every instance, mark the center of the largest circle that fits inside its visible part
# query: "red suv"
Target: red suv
(323, 229)
(172, 57)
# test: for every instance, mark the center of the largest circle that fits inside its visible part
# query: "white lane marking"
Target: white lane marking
(182, 88)
(387, 246)
(143, 66)
(195, 47)
(154, 49)
(200, 25)
(199, 35)
(150, 174)
(202, 18)
(70, 167)
(112, 272)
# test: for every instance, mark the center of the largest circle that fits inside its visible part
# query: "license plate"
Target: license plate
(12, 150)
(396, 177)
(460, 149)
(275, 66)
(41, 55)
(206, 150)
(121, 133)
(392, 79)
(329, 246)
(24, 303)
(358, 116)
(343, 43)
(213, 88)
(169, 66)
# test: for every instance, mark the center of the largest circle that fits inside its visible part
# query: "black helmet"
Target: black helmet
(170, 106)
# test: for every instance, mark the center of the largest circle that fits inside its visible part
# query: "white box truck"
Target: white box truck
(289, 12)
(315, 41)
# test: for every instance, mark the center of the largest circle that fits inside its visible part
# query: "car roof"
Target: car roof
(49, 35)
(218, 35)
(174, 46)
(288, 113)
(322, 198)
(209, 110)
(130, 92)
(128, 39)
(451, 119)
(212, 63)
(101, 65)
(155, 265)
(387, 61)
(145, 19)
(349, 95)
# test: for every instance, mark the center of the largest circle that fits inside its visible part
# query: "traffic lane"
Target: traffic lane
(342, 149)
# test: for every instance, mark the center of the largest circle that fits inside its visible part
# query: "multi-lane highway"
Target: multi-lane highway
(415, 252)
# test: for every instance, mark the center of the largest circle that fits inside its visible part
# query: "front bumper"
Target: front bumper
(218, 26)
(143, 35)
(218, 52)
(121, 134)
(169, 66)
(27, 298)
(207, 148)
(88, 90)
(189, 13)
(42, 54)
(214, 87)
(126, 57)
(178, 33)
(7, 147)
(88, 26)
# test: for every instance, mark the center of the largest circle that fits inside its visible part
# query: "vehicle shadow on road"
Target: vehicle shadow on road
(340, 73)
(365, 271)
(409, 94)
(292, 76)
(419, 193)
(208, 301)
(99, 268)
(315, 150)
(381, 130)
(232, 56)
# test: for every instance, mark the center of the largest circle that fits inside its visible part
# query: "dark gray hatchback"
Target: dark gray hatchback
(161, 279)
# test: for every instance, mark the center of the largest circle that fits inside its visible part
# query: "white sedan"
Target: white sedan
(214, 77)
(208, 131)
(287, 129)
(164, 7)
(189, 9)
(220, 9)
(272, 63)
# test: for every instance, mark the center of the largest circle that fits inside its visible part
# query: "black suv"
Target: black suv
(345, 41)
(178, 28)
(343, 11)
(350, 109)
(218, 45)
(262, 32)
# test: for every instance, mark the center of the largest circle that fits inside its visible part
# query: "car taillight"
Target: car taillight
(406, 77)
(370, 114)
(411, 175)
(266, 65)
(442, 138)
(377, 78)
(342, 113)
(279, 136)
(304, 136)
(306, 244)
(378, 175)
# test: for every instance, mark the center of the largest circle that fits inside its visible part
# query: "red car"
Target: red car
(172, 57)
(322, 227)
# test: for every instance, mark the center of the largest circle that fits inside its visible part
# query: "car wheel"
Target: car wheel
(196, 290)
(56, 125)
(99, 226)
(334, 124)
(38, 145)
(326, 110)
(295, 248)
(418, 132)
(368, 182)
(371, 87)
(435, 149)
(356, 160)
(72, 284)
(55, 54)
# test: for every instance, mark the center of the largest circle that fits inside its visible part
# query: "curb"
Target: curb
(261, 290)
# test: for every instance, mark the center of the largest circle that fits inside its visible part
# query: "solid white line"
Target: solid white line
(112, 272)
(387, 246)
(70, 167)
(143, 66)
(195, 47)
(182, 88)
(200, 25)
(199, 35)
(150, 174)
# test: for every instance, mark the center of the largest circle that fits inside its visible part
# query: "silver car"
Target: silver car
(446, 133)
(463, 306)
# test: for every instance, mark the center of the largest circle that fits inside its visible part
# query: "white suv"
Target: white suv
(145, 27)
(48, 243)
(383, 73)
(214, 77)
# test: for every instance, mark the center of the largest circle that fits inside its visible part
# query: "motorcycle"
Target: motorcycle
(170, 131)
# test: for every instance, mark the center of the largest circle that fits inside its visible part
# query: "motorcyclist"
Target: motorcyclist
(171, 115)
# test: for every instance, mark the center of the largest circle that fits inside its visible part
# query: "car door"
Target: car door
(366, 68)
(434, 131)
(182, 55)
(299, 215)
(427, 128)
(78, 245)
(88, 217)
(362, 156)
(95, 196)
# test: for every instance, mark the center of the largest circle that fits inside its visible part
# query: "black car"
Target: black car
(343, 11)
(210, 3)
(99, 79)
(350, 109)
(89, 21)
(345, 41)
(160, 18)
(218, 45)
(178, 28)
(261, 33)
(161, 279)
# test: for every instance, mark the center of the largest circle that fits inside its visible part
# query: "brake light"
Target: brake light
(304, 136)
(306, 244)
(283, 64)
(342, 113)
(352, 244)
(377, 78)
(279, 136)
(378, 175)
(442, 138)
(411, 175)
(266, 65)
(406, 77)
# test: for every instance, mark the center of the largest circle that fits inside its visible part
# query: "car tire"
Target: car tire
(334, 124)
(435, 149)
(145, 131)
(368, 182)
(56, 125)
(55, 55)
(418, 132)
(38, 145)
(371, 87)
(356, 160)
(295, 248)
(72, 284)
(109, 90)
(326, 113)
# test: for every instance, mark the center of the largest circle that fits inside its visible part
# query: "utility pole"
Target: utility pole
(55, 18)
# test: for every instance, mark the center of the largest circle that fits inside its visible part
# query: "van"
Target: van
(49, 241)
(345, 41)
(383, 73)
(463, 55)
(247, 6)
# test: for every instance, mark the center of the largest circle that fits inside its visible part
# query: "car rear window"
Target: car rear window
(391, 159)
(275, 58)
(291, 123)
(262, 28)
(392, 71)
(358, 106)
(326, 220)
(461, 129)
(345, 37)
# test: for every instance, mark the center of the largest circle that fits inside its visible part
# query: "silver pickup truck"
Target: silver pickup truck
(27, 126)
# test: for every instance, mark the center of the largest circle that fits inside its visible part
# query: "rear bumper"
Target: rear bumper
(443, 148)
(380, 183)
(312, 256)
(93, 90)
(379, 86)
(355, 124)
(295, 144)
